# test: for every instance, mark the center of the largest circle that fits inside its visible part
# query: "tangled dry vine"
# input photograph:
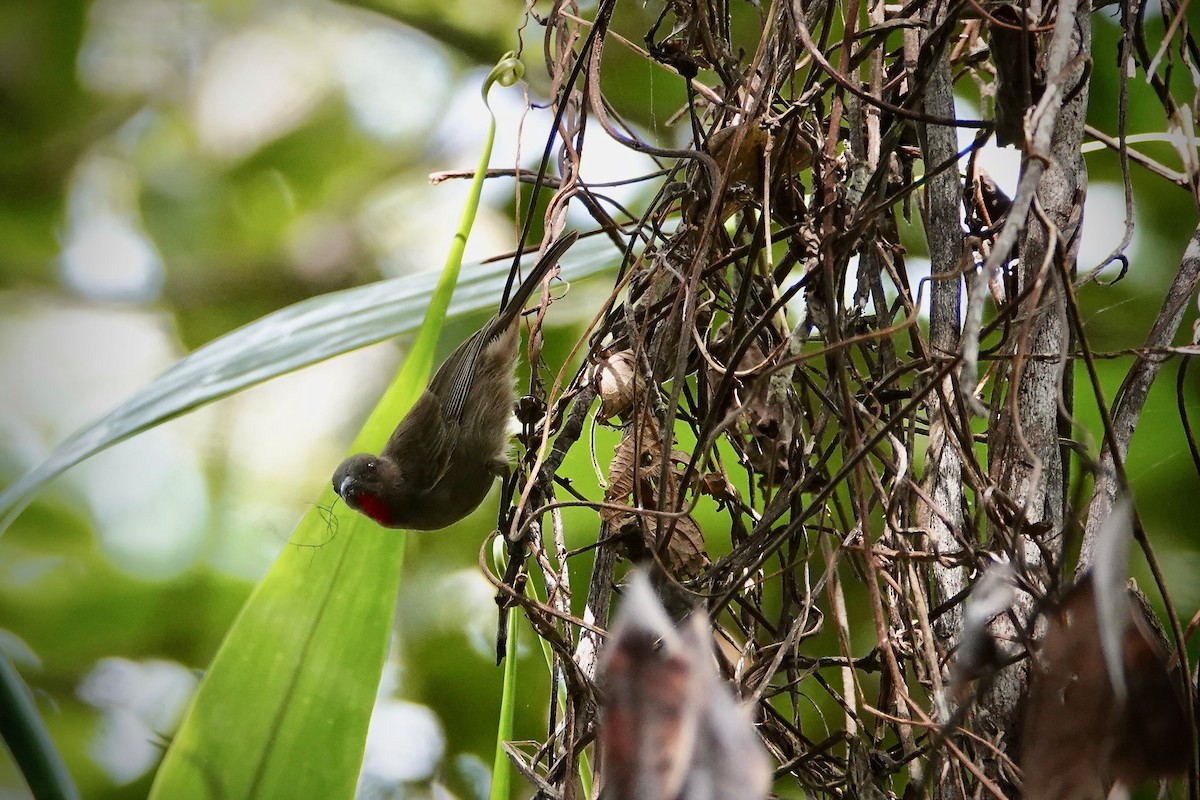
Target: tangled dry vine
(765, 352)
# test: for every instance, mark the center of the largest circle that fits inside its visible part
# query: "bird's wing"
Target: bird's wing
(423, 442)
(456, 377)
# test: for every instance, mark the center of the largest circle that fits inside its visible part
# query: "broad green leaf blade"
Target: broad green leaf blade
(294, 337)
(284, 709)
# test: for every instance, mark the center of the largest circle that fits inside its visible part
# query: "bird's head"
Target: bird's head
(369, 485)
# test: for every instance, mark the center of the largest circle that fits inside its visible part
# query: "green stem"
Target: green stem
(506, 72)
(501, 766)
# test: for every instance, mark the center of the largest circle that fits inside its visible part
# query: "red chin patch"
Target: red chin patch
(374, 508)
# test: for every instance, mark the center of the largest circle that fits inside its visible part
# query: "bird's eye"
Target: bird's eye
(371, 465)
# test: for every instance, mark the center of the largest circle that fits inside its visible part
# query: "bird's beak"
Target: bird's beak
(345, 487)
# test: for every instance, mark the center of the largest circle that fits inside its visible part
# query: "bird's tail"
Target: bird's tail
(516, 304)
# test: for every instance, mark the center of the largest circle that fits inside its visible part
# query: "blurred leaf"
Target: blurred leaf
(294, 337)
(28, 740)
(1079, 736)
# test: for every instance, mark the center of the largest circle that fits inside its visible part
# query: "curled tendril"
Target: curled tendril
(508, 70)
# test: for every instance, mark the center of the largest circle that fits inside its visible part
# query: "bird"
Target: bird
(443, 457)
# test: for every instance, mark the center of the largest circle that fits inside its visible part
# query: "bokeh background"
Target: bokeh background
(174, 170)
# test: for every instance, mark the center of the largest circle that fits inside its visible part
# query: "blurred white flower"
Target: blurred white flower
(405, 742)
(261, 83)
(141, 704)
(394, 80)
(106, 254)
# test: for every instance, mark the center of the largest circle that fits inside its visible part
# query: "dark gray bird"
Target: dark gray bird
(444, 455)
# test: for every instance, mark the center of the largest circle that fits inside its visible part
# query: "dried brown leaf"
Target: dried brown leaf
(1079, 738)
(637, 462)
(671, 728)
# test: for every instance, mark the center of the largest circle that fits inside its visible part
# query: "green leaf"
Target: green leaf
(294, 337)
(25, 734)
(285, 707)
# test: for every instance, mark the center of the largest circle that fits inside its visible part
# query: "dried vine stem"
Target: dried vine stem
(791, 441)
